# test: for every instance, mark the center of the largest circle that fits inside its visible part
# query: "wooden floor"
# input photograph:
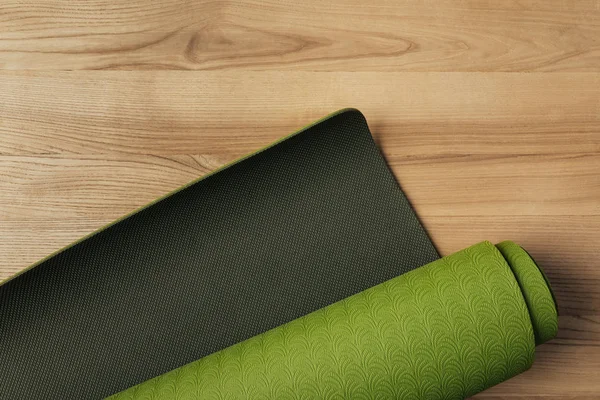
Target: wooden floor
(487, 111)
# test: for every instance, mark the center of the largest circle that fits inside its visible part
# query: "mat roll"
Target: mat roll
(447, 330)
(292, 228)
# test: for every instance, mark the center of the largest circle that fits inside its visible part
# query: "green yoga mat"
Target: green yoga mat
(447, 330)
(297, 226)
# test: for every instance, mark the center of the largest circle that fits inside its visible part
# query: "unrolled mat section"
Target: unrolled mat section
(292, 228)
(447, 330)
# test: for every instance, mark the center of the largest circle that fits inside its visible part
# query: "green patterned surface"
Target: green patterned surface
(444, 331)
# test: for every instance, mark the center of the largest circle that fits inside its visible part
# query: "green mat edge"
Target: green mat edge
(221, 168)
(535, 288)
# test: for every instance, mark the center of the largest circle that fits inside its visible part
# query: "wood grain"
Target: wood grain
(446, 35)
(487, 112)
(414, 115)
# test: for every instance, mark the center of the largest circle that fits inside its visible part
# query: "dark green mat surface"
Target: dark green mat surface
(295, 227)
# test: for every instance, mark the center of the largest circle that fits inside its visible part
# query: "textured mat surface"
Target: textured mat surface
(295, 227)
(447, 330)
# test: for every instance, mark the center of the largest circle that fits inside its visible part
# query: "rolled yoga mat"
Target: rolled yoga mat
(292, 228)
(447, 330)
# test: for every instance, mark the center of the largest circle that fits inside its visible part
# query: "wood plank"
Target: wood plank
(446, 35)
(502, 185)
(411, 114)
(462, 186)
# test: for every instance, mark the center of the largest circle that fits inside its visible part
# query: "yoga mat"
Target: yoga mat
(447, 330)
(292, 228)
